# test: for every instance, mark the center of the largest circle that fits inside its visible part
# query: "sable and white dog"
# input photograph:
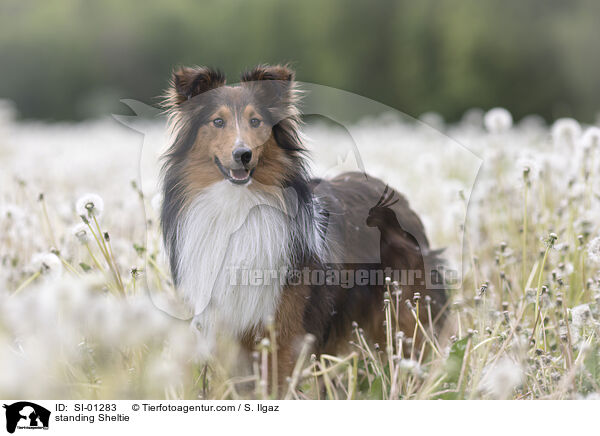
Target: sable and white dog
(238, 198)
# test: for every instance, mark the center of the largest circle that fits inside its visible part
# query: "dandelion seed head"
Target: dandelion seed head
(532, 123)
(529, 164)
(90, 205)
(81, 232)
(565, 130)
(48, 264)
(577, 190)
(550, 240)
(498, 120)
(581, 315)
(473, 118)
(164, 371)
(590, 138)
(433, 119)
(594, 250)
(12, 212)
(566, 269)
(500, 379)
(410, 366)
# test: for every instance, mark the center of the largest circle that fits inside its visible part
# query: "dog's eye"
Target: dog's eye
(219, 122)
(255, 122)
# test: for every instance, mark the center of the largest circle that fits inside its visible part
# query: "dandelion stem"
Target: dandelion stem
(414, 338)
(47, 220)
(274, 374)
(96, 238)
(264, 372)
(539, 290)
(116, 269)
(524, 248)
(68, 266)
(160, 272)
(297, 371)
(463, 370)
(27, 282)
(94, 257)
(110, 260)
(388, 337)
(424, 332)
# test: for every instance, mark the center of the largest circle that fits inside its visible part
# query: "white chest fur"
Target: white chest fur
(228, 229)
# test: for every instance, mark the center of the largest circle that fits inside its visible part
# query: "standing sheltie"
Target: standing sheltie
(250, 235)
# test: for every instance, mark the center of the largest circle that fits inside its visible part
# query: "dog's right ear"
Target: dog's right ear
(188, 82)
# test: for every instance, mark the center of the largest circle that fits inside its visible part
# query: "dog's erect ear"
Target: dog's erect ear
(275, 86)
(188, 82)
(269, 72)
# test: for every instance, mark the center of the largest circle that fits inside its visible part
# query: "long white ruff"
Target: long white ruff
(227, 229)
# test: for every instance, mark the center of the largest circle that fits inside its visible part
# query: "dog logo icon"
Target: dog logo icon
(26, 415)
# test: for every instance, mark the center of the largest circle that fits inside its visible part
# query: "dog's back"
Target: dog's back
(370, 241)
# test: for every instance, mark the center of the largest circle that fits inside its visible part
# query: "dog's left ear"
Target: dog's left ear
(269, 72)
(275, 83)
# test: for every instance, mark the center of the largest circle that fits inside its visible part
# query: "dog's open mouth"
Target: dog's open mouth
(239, 176)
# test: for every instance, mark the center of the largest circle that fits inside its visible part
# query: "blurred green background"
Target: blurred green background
(75, 59)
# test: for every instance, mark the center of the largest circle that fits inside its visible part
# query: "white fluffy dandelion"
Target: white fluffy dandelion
(410, 366)
(82, 232)
(528, 163)
(90, 205)
(532, 123)
(502, 378)
(581, 315)
(566, 130)
(12, 212)
(473, 118)
(498, 120)
(594, 250)
(433, 119)
(590, 138)
(48, 264)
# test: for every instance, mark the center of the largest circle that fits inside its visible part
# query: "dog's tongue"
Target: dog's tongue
(240, 174)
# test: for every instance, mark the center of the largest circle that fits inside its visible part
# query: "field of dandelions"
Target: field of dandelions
(515, 205)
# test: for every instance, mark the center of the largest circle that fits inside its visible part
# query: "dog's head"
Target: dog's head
(237, 133)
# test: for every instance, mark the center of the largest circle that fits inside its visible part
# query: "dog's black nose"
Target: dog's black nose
(242, 155)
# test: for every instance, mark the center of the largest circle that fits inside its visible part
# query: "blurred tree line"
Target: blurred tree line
(74, 59)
